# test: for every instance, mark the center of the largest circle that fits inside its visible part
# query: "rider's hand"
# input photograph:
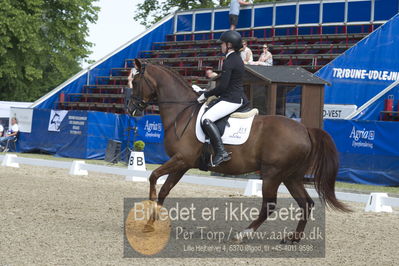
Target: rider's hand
(202, 98)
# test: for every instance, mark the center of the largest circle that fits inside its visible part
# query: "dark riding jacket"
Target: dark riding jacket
(230, 86)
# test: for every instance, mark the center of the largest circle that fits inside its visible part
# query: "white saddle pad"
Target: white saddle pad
(236, 132)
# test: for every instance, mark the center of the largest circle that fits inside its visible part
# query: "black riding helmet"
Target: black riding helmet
(232, 37)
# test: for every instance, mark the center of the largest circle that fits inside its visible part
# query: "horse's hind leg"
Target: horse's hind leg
(305, 202)
(270, 184)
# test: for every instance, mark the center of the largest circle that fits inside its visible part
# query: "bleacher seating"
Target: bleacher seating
(191, 57)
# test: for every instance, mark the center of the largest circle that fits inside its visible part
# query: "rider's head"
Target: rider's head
(231, 40)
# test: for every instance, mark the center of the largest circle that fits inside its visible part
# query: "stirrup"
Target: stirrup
(224, 159)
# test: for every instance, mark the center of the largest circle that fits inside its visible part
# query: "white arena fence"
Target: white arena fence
(375, 202)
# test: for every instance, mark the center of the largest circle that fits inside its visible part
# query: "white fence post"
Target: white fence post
(10, 160)
(375, 203)
(252, 188)
(76, 168)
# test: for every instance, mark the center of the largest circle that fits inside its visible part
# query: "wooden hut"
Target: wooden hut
(286, 90)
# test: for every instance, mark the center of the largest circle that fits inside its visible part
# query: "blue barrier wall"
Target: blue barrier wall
(85, 134)
(61, 143)
(150, 130)
(369, 151)
(101, 128)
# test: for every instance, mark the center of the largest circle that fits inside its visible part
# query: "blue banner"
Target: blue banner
(369, 151)
(365, 70)
(365, 137)
(85, 134)
(103, 127)
(66, 138)
(150, 129)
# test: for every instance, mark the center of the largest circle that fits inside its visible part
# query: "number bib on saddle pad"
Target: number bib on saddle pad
(236, 131)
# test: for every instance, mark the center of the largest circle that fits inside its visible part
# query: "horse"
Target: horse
(281, 149)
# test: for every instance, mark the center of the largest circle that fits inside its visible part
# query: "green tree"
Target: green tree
(42, 43)
(151, 11)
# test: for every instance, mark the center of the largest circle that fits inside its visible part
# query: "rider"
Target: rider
(230, 91)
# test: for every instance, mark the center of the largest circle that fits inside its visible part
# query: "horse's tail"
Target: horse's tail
(324, 164)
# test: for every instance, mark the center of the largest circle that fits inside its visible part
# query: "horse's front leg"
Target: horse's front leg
(174, 164)
(171, 181)
(176, 169)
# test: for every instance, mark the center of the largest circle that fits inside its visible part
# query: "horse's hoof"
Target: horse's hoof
(284, 241)
(243, 236)
(148, 228)
(238, 240)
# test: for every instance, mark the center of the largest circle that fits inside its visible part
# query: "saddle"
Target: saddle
(233, 128)
(243, 112)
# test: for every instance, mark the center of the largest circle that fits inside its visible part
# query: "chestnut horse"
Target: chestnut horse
(282, 149)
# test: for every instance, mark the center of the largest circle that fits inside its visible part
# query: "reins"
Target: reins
(190, 104)
(188, 122)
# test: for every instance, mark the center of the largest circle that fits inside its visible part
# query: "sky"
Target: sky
(115, 26)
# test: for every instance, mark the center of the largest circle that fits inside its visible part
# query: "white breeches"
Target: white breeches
(220, 110)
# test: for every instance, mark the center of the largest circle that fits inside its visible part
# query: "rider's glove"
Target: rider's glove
(202, 98)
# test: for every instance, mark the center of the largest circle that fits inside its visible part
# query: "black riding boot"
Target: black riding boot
(221, 155)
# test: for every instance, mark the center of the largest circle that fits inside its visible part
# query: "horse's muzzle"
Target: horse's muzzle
(135, 108)
(131, 108)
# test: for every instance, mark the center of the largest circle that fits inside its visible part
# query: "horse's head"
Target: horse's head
(144, 90)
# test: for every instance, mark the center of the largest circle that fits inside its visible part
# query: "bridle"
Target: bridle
(138, 103)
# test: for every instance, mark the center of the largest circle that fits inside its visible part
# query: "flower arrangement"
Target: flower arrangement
(139, 145)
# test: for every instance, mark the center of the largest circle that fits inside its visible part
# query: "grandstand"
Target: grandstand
(192, 58)
(300, 33)
(325, 37)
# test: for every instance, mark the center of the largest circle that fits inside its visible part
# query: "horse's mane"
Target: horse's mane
(175, 74)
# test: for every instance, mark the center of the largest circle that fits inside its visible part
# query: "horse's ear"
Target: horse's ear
(138, 64)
